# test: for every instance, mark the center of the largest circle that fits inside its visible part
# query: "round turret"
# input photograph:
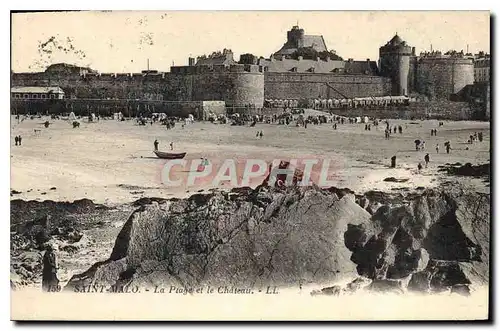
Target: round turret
(395, 64)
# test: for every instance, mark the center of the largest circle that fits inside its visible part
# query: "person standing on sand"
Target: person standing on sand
(437, 148)
(16, 139)
(261, 134)
(156, 144)
(419, 167)
(171, 146)
(426, 159)
(393, 161)
(50, 282)
(20, 139)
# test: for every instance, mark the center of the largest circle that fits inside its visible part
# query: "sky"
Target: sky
(123, 41)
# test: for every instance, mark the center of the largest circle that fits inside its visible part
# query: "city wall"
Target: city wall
(439, 78)
(238, 89)
(314, 85)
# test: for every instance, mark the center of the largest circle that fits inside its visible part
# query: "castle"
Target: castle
(303, 69)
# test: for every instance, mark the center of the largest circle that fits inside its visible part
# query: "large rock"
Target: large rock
(401, 238)
(256, 237)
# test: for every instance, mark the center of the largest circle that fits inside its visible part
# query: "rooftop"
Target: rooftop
(395, 41)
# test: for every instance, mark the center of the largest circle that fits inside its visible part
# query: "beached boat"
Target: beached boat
(170, 156)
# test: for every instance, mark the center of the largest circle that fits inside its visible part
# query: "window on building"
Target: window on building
(34, 96)
(52, 96)
(44, 96)
(26, 96)
(17, 96)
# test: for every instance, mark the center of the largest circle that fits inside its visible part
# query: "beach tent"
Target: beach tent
(330, 103)
(72, 116)
(323, 103)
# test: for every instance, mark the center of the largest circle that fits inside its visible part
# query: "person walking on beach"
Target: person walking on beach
(156, 144)
(426, 159)
(448, 147)
(417, 144)
(20, 139)
(261, 134)
(437, 148)
(419, 167)
(16, 140)
(171, 146)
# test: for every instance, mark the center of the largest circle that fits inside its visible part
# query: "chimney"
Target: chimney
(413, 51)
(191, 61)
(368, 60)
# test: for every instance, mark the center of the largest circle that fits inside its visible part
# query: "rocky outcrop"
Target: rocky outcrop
(243, 237)
(480, 170)
(429, 242)
(437, 240)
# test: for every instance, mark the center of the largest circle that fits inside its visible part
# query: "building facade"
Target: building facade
(482, 68)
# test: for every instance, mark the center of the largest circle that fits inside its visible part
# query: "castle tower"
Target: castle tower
(295, 37)
(395, 64)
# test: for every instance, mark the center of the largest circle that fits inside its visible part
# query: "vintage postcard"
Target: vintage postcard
(250, 165)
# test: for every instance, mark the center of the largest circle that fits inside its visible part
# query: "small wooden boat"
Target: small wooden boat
(169, 156)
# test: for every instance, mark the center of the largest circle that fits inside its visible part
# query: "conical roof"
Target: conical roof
(396, 40)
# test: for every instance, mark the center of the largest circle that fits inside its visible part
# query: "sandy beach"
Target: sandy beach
(112, 162)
